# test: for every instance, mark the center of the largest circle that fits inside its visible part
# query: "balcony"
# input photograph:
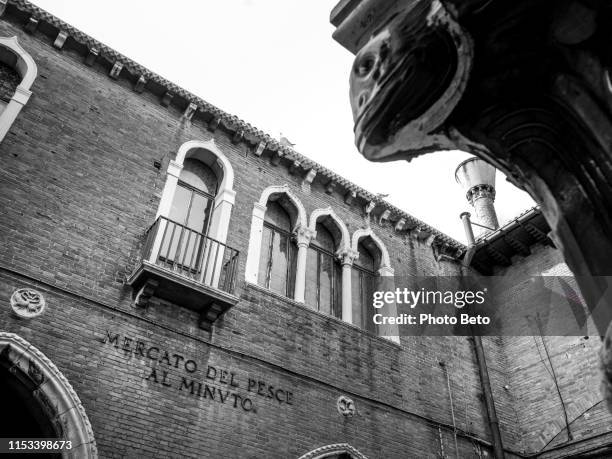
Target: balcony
(187, 268)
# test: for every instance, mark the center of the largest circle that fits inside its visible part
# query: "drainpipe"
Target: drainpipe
(469, 233)
(481, 361)
(498, 448)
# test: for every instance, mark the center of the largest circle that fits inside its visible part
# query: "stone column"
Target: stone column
(303, 236)
(163, 210)
(390, 332)
(347, 257)
(172, 175)
(223, 205)
(254, 254)
(482, 198)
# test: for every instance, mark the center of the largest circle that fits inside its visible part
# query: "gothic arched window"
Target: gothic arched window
(17, 74)
(364, 274)
(323, 290)
(9, 80)
(184, 245)
(278, 251)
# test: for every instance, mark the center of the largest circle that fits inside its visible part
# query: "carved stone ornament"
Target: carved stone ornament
(537, 106)
(346, 406)
(52, 391)
(28, 303)
(406, 81)
(335, 450)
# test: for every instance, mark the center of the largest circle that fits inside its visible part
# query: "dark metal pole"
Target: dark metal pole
(467, 227)
(481, 361)
(469, 234)
(498, 448)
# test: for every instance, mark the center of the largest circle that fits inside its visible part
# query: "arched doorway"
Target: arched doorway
(39, 402)
(335, 451)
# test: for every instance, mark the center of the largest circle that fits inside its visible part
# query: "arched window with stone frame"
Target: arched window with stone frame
(278, 249)
(189, 218)
(324, 280)
(9, 80)
(364, 280)
(17, 74)
(277, 245)
(185, 257)
(193, 217)
(371, 271)
(323, 290)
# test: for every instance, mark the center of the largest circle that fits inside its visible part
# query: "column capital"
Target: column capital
(303, 236)
(347, 256)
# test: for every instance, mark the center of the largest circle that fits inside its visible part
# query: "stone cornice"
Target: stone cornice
(122, 67)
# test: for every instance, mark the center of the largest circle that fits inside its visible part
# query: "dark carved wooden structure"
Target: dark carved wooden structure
(524, 84)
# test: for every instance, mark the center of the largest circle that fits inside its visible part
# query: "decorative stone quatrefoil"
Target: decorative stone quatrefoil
(346, 406)
(27, 302)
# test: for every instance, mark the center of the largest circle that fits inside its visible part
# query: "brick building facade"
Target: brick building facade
(234, 338)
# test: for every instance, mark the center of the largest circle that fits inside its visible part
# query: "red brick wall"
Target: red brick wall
(532, 394)
(133, 416)
(78, 189)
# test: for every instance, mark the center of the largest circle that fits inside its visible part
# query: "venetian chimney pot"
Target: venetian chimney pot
(477, 178)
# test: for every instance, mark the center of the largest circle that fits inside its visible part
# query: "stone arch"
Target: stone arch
(197, 149)
(386, 272)
(20, 60)
(12, 54)
(385, 262)
(330, 451)
(301, 220)
(53, 391)
(259, 212)
(345, 241)
(208, 153)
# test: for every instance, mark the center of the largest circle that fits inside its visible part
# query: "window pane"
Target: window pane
(197, 213)
(325, 282)
(369, 285)
(278, 273)
(311, 278)
(262, 276)
(337, 305)
(356, 296)
(199, 175)
(180, 205)
(366, 259)
(324, 238)
(277, 216)
(292, 268)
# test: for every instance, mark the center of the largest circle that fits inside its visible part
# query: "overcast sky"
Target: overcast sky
(274, 64)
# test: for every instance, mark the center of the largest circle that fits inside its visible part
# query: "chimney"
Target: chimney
(477, 178)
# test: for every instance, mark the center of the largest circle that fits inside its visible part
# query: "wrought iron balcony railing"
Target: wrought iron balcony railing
(188, 268)
(191, 254)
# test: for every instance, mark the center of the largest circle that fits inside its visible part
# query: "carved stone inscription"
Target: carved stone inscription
(201, 381)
